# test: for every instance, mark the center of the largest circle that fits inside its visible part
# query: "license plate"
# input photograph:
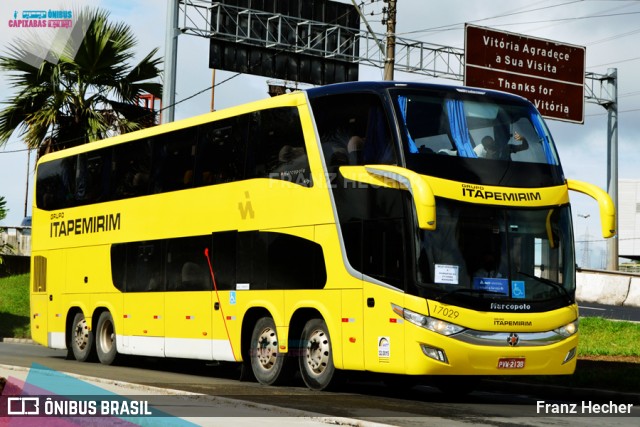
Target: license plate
(511, 363)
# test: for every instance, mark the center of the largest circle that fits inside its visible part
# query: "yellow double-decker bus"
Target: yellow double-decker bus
(408, 229)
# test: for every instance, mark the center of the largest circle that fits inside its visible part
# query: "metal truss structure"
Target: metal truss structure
(208, 19)
(211, 19)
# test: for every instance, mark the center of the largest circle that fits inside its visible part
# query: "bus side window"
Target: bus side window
(427, 126)
(186, 266)
(278, 144)
(174, 160)
(119, 265)
(54, 188)
(251, 259)
(144, 267)
(223, 259)
(92, 177)
(221, 151)
(271, 260)
(354, 130)
(132, 169)
(378, 147)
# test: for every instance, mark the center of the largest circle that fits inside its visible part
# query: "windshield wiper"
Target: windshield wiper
(548, 282)
(469, 291)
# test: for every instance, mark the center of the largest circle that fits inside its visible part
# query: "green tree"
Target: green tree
(85, 92)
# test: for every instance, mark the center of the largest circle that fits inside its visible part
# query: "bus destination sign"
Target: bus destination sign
(549, 74)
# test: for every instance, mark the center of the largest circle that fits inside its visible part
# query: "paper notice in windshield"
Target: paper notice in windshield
(446, 274)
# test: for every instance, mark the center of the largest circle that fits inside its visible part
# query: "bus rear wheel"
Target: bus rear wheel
(81, 338)
(316, 358)
(269, 366)
(105, 335)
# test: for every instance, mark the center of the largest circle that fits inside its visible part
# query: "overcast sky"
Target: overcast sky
(609, 29)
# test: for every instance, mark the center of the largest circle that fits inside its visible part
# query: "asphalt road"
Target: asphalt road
(631, 314)
(369, 399)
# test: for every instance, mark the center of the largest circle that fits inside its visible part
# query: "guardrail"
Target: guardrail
(608, 287)
(15, 240)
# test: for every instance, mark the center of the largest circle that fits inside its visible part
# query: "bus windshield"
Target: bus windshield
(475, 126)
(497, 253)
(484, 133)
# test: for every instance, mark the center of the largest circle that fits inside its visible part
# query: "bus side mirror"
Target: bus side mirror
(401, 178)
(607, 209)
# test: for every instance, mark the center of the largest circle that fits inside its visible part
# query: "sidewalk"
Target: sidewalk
(169, 407)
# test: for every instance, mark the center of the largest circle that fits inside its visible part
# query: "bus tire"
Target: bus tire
(269, 366)
(105, 337)
(316, 358)
(81, 338)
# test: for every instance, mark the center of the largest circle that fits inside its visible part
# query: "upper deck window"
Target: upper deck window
(474, 126)
(262, 144)
(354, 130)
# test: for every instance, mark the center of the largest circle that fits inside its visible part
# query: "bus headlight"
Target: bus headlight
(430, 323)
(568, 329)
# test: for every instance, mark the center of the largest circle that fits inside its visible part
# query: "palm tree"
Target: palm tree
(73, 97)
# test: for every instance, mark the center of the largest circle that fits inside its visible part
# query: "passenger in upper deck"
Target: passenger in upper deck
(491, 149)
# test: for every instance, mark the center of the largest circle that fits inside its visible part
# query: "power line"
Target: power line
(457, 25)
(619, 112)
(616, 62)
(615, 37)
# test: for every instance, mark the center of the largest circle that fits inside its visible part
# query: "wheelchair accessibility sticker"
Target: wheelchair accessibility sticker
(517, 289)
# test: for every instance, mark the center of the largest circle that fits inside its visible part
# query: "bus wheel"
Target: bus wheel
(81, 338)
(316, 360)
(105, 335)
(267, 363)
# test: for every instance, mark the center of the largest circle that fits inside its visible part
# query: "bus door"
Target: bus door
(225, 312)
(144, 304)
(188, 300)
(383, 330)
(373, 226)
(383, 261)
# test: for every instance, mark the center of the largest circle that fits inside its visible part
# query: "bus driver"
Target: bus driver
(491, 149)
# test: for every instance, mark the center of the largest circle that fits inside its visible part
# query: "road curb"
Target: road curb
(17, 340)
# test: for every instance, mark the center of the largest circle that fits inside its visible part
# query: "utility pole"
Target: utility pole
(612, 154)
(170, 61)
(390, 58)
(585, 244)
(26, 196)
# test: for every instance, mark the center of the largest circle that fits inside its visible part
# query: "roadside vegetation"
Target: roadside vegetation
(14, 307)
(608, 357)
(608, 354)
(601, 338)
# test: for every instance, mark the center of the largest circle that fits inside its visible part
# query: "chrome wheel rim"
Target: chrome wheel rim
(81, 335)
(267, 348)
(318, 351)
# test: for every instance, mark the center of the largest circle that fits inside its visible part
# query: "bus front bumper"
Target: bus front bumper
(442, 355)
